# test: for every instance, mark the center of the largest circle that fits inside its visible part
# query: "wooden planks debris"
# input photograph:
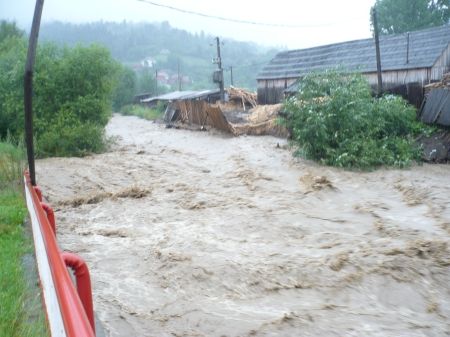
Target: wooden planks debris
(244, 96)
(200, 113)
(261, 121)
(444, 83)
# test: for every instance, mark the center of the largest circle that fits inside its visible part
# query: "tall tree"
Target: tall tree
(146, 82)
(399, 16)
(9, 29)
(125, 87)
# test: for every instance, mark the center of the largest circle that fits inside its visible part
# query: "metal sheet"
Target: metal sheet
(436, 101)
(181, 95)
(444, 117)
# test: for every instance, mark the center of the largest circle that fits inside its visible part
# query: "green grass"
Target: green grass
(11, 164)
(143, 112)
(18, 311)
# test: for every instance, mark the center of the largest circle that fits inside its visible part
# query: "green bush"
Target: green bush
(68, 136)
(335, 120)
(72, 95)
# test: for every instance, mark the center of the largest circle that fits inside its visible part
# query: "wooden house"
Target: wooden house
(417, 57)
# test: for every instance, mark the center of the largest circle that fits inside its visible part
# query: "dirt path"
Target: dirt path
(198, 234)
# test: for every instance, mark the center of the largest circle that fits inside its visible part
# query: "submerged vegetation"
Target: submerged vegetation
(335, 120)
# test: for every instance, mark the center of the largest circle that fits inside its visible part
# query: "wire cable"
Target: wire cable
(222, 18)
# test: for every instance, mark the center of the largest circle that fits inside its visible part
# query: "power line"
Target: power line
(222, 18)
(251, 65)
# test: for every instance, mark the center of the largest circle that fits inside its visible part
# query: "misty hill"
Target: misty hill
(162, 47)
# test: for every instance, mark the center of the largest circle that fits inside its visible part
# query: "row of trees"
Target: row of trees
(400, 16)
(73, 93)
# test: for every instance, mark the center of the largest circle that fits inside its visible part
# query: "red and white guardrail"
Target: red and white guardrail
(69, 311)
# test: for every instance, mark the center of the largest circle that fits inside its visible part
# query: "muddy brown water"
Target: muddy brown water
(200, 234)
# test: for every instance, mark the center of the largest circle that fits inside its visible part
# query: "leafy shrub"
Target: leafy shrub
(72, 96)
(68, 136)
(335, 120)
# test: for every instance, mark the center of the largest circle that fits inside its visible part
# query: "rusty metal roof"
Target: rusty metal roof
(425, 47)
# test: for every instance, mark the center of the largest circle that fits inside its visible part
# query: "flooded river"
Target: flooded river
(200, 234)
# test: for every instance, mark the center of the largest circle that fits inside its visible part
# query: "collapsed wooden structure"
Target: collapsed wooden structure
(243, 96)
(198, 113)
(202, 109)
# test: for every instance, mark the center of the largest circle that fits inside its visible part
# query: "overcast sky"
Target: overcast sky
(321, 21)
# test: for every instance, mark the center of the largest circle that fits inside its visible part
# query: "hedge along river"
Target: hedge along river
(202, 234)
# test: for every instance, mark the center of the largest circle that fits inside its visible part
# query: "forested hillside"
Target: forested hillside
(167, 48)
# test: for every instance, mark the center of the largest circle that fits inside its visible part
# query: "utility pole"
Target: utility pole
(407, 48)
(28, 88)
(219, 64)
(231, 75)
(377, 48)
(179, 80)
(156, 81)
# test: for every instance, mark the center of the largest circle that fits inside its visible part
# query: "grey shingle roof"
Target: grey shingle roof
(425, 47)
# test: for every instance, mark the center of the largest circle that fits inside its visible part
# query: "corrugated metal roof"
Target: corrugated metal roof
(425, 47)
(181, 95)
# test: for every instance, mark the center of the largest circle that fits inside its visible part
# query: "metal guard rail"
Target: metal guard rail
(67, 314)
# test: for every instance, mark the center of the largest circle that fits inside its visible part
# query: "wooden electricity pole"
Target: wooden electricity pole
(179, 79)
(28, 88)
(156, 81)
(377, 49)
(219, 64)
(231, 75)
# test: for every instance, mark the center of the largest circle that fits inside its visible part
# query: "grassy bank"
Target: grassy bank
(20, 316)
(143, 112)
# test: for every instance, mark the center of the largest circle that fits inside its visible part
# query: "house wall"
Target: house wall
(271, 91)
(441, 66)
(399, 77)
